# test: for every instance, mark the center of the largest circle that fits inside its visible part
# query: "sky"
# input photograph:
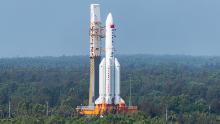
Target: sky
(31, 28)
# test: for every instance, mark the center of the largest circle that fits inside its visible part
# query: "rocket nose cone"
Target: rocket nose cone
(109, 19)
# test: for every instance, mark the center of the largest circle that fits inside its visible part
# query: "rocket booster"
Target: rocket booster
(109, 70)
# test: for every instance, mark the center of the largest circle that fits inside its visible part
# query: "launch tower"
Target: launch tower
(95, 52)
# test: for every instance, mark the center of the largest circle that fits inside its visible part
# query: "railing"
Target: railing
(85, 107)
(93, 107)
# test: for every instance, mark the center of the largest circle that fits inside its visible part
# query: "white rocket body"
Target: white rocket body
(109, 70)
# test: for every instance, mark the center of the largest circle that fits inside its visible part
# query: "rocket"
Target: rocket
(109, 70)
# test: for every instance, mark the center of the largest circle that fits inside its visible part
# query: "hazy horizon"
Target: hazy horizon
(56, 28)
(117, 55)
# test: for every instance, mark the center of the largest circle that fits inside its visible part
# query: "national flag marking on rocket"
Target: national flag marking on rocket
(112, 26)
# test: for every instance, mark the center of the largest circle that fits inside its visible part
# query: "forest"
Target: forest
(169, 89)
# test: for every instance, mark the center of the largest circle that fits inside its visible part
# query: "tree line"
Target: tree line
(177, 89)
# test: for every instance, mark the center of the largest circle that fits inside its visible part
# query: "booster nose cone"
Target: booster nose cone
(109, 20)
